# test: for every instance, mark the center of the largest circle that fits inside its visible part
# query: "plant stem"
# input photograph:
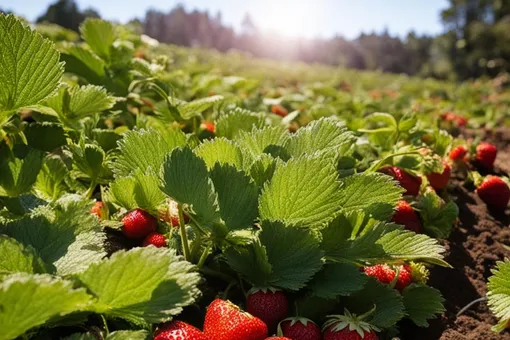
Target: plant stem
(204, 256)
(227, 290)
(184, 236)
(90, 190)
(465, 308)
(105, 325)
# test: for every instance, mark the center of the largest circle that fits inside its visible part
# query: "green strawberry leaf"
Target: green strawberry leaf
(14, 257)
(303, 192)
(88, 100)
(82, 62)
(231, 123)
(374, 193)
(43, 297)
(137, 190)
(143, 285)
(196, 107)
(131, 335)
(45, 136)
(284, 257)
(50, 184)
(185, 178)
(55, 234)
(257, 141)
(337, 279)
(17, 176)
(422, 303)
(389, 306)
(99, 35)
(90, 162)
(220, 150)
(237, 196)
(438, 217)
(323, 135)
(499, 294)
(262, 169)
(141, 149)
(29, 66)
(379, 242)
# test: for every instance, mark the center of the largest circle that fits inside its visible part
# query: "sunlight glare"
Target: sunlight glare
(288, 18)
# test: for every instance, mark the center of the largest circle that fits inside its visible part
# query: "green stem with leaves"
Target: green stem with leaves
(204, 256)
(184, 235)
(90, 190)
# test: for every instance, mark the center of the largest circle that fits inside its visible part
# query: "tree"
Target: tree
(66, 14)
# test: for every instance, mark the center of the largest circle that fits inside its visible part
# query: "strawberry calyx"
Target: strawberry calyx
(293, 320)
(336, 323)
(419, 272)
(264, 290)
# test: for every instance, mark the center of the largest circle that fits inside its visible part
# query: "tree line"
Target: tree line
(475, 41)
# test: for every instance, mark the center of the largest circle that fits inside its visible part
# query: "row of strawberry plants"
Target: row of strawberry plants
(300, 219)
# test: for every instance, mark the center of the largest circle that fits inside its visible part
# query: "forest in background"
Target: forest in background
(475, 41)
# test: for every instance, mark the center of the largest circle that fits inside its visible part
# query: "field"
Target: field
(143, 185)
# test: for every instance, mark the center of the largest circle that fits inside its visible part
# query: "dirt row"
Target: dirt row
(473, 249)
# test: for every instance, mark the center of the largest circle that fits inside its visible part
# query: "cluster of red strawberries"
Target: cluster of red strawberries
(266, 312)
(140, 225)
(493, 190)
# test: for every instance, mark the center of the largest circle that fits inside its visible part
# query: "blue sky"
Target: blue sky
(308, 18)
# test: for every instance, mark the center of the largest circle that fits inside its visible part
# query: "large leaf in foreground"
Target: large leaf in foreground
(143, 285)
(284, 257)
(18, 175)
(28, 301)
(146, 148)
(237, 196)
(499, 294)
(374, 193)
(29, 66)
(231, 123)
(185, 178)
(379, 243)
(14, 258)
(220, 150)
(422, 303)
(389, 307)
(337, 279)
(304, 192)
(323, 135)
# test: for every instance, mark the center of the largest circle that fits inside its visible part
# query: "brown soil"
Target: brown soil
(472, 249)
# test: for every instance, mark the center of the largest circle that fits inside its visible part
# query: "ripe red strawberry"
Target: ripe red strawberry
(278, 338)
(458, 153)
(178, 330)
(279, 110)
(173, 210)
(208, 126)
(386, 274)
(486, 154)
(269, 305)
(349, 327)
(439, 181)
(138, 223)
(155, 239)
(226, 321)
(299, 329)
(407, 181)
(406, 216)
(494, 192)
(98, 209)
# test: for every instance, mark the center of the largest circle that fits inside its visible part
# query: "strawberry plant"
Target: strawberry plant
(499, 294)
(142, 192)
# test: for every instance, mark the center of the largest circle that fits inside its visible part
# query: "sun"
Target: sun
(288, 18)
